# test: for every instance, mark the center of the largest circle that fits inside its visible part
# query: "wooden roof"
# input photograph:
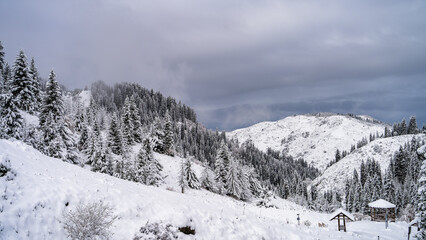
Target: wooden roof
(341, 211)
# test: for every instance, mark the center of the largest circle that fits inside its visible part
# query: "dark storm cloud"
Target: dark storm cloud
(236, 62)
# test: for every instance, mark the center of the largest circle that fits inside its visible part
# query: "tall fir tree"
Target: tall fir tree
(2, 62)
(11, 121)
(183, 184)
(127, 123)
(148, 168)
(222, 165)
(168, 136)
(412, 126)
(115, 139)
(21, 86)
(233, 182)
(158, 136)
(208, 179)
(191, 178)
(136, 119)
(51, 117)
(35, 81)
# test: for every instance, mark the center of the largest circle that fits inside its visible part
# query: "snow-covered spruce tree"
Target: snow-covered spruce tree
(35, 81)
(207, 179)
(115, 139)
(21, 86)
(243, 175)
(136, 119)
(222, 166)
(168, 136)
(83, 141)
(51, 120)
(191, 178)
(79, 118)
(158, 136)
(127, 123)
(11, 122)
(421, 206)
(412, 126)
(148, 168)
(400, 161)
(94, 146)
(233, 181)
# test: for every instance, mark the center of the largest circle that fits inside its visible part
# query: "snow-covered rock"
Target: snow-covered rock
(315, 138)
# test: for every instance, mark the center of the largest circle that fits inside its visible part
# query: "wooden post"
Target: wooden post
(344, 223)
(338, 222)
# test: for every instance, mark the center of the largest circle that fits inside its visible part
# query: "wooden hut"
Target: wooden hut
(342, 216)
(381, 209)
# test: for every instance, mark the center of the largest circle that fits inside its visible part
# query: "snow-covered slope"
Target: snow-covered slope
(380, 150)
(32, 205)
(312, 137)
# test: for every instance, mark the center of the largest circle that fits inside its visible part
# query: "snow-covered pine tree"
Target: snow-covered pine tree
(6, 78)
(222, 166)
(191, 178)
(389, 186)
(243, 175)
(158, 136)
(79, 118)
(51, 120)
(255, 186)
(400, 161)
(233, 181)
(11, 122)
(136, 119)
(127, 123)
(21, 86)
(168, 136)
(421, 205)
(35, 81)
(115, 139)
(208, 179)
(94, 148)
(412, 126)
(148, 168)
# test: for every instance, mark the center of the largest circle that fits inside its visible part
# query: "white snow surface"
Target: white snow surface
(33, 203)
(315, 138)
(380, 150)
(381, 203)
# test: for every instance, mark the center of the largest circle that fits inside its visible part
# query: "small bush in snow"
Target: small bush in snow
(6, 169)
(89, 221)
(156, 231)
(307, 223)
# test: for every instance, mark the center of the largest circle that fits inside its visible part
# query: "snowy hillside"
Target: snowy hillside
(33, 202)
(380, 150)
(312, 137)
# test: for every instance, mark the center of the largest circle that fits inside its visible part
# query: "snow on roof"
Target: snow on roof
(415, 221)
(381, 204)
(340, 210)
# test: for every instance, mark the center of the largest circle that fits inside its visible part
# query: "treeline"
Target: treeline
(398, 185)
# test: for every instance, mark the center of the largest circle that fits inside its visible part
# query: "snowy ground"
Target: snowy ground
(33, 203)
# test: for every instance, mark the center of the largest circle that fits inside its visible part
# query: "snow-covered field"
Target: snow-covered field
(380, 150)
(32, 205)
(313, 138)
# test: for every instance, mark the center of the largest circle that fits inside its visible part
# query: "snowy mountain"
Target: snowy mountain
(315, 138)
(380, 150)
(33, 203)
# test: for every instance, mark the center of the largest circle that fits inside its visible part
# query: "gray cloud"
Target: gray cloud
(236, 62)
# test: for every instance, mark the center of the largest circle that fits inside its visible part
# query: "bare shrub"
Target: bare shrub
(307, 223)
(89, 221)
(157, 231)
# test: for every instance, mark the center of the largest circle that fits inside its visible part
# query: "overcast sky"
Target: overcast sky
(235, 62)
